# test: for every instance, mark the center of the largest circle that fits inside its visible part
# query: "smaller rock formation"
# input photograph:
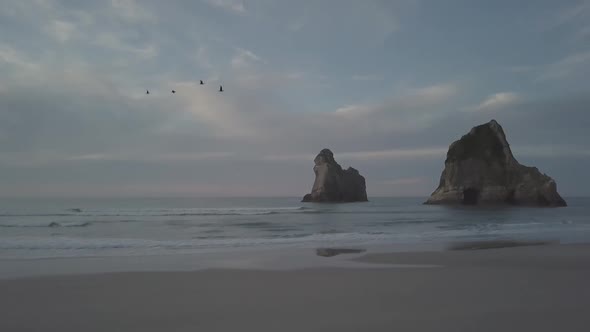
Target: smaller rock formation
(480, 169)
(334, 184)
(329, 252)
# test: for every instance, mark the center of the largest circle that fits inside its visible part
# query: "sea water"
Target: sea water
(55, 228)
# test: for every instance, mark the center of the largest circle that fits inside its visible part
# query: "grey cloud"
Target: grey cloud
(575, 64)
(104, 141)
(235, 6)
(74, 117)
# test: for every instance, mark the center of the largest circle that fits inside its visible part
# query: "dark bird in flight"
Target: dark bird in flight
(173, 91)
(202, 82)
(220, 88)
(147, 92)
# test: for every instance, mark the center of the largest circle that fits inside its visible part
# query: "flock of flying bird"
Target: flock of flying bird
(147, 92)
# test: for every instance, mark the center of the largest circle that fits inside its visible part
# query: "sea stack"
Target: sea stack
(334, 184)
(481, 170)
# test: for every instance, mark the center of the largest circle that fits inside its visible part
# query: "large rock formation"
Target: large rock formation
(333, 184)
(480, 169)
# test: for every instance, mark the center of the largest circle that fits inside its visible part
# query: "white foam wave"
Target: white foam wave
(97, 244)
(170, 212)
(45, 224)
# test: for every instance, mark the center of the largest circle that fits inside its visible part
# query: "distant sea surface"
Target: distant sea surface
(45, 228)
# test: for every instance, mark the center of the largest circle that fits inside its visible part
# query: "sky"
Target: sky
(387, 85)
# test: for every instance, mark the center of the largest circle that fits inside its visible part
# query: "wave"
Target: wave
(45, 225)
(254, 224)
(195, 212)
(141, 245)
(179, 212)
(38, 214)
(262, 213)
(69, 224)
(282, 229)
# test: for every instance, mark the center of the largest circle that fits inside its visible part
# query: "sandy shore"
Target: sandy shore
(541, 288)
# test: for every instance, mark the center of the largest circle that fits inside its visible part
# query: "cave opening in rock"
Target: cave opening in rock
(510, 199)
(542, 201)
(470, 196)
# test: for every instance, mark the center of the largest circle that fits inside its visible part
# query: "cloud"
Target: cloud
(552, 151)
(219, 114)
(573, 19)
(131, 11)
(289, 157)
(569, 66)
(51, 157)
(251, 71)
(37, 158)
(520, 69)
(233, 6)
(333, 24)
(202, 58)
(114, 42)
(406, 181)
(407, 99)
(584, 32)
(223, 130)
(45, 158)
(568, 15)
(297, 24)
(161, 157)
(496, 101)
(356, 110)
(573, 64)
(410, 110)
(397, 154)
(431, 94)
(269, 79)
(392, 154)
(244, 59)
(11, 57)
(369, 77)
(74, 113)
(62, 31)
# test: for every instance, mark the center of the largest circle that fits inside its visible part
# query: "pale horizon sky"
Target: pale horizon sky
(386, 85)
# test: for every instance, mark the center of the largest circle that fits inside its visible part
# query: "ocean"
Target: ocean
(56, 228)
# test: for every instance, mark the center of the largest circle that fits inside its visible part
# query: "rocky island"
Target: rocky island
(334, 184)
(480, 169)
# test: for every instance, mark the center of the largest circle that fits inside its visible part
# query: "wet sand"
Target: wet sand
(538, 288)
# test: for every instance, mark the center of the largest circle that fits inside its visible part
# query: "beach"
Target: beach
(531, 288)
(294, 166)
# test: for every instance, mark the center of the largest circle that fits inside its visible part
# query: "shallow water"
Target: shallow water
(39, 228)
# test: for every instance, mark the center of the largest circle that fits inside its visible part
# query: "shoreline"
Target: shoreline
(532, 288)
(268, 259)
